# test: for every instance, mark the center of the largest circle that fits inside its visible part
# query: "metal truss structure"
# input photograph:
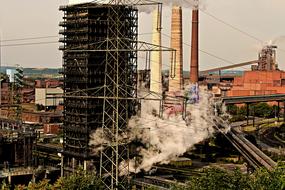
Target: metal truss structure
(15, 93)
(100, 54)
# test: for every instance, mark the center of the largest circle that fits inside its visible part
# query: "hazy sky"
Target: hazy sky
(263, 19)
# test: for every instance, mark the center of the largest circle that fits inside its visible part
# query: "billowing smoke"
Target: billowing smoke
(166, 139)
(192, 4)
(162, 140)
(279, 39)
(274, 41)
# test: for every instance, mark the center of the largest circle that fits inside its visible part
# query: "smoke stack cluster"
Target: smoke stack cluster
(156, 62)
(176, 83)
(195, 47)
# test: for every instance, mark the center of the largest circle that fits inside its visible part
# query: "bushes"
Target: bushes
(219, 179)
(78, 181)
(258, 110)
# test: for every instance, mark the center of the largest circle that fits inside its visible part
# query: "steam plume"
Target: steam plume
(167, 139)
(164, 140)
(193, 4)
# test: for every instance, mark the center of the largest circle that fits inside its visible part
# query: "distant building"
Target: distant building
(48, 96)
(11, 74)
(258, 83)
(48, 83)
(265, 77)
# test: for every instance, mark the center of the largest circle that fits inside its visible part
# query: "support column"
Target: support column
(278, 111)
(253, 116)
(284, 112)
(247, 113)
(73, 165)
(61, 166)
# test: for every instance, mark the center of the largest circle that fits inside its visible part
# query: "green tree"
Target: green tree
(232, 109)
(269, 180)
(81, 180)
(218, 179)
(5, 186)
(261, 110)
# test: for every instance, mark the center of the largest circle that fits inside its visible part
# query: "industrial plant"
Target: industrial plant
(138, 128)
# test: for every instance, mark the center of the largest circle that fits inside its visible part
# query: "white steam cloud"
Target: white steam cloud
(170, 138)
(192, 4)
(165, 139)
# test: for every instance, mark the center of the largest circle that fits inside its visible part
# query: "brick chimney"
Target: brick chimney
(176, 83)
(195, 47)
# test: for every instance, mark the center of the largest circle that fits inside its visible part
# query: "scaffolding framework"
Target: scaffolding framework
(100, 54)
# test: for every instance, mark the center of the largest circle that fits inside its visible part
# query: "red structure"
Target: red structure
(194, 47)
(258, 83)
(48, 83)
(52, 128)
(264, 79)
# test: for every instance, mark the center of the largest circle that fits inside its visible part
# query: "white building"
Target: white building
(11, 74)
(48, 96)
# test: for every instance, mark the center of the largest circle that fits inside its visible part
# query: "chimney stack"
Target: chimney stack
(176, 83)
(156, 62)
(194, 47)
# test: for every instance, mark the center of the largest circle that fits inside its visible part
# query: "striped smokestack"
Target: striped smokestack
(156, 64)
(176, 83)
(195, 47)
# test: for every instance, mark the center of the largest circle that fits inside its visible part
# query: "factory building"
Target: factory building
(258, 83)
(48, 97)
(263, 79)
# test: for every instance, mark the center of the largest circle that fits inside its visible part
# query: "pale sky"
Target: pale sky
(263, 19)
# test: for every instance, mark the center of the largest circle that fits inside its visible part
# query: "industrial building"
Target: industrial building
(100, 63)
(264, 78)
(48, 97)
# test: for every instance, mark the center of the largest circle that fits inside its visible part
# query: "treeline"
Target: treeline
(81, 180)
(263, 110)
(219, 179)
(209, 179)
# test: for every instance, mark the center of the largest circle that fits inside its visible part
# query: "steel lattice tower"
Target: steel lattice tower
(100, 54)
(100, 65)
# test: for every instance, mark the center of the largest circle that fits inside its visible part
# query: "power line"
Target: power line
(233, 27)
(30, 38)
(205, 52)
(47, 37)
(237, 29)
(210, 54)
(28, 44)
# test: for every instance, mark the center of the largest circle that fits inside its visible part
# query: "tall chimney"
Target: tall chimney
(195, 47)
(156, 64)
(176, 83)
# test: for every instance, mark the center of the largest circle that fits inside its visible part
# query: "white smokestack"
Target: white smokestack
(156, 64)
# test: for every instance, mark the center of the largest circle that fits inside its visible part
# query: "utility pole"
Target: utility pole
(1, 76)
